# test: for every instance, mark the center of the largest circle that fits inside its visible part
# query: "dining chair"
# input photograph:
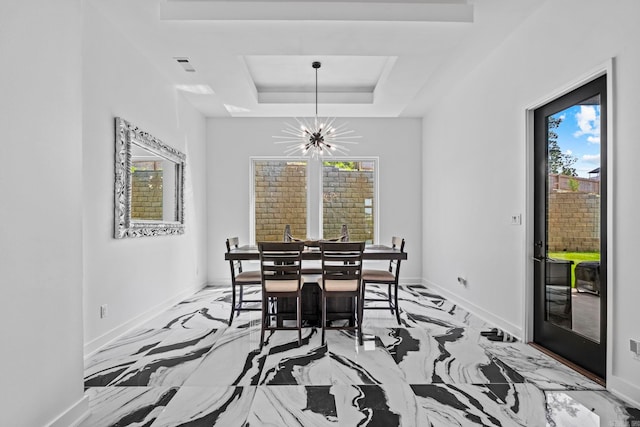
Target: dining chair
(341, 278)
(281, 276)
(239, 279)
(389, 277)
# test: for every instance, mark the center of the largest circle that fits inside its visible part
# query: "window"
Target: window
(315, 198)
(280, 198)
(348, 190)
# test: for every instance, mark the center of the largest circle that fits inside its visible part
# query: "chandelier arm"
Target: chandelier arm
(345, 139)
(291, 127)
(295, 133)
(341, 131)
(346, 142)
(304, 125)
(289, 141)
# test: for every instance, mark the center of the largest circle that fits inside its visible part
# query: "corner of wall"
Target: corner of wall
(624, 390)
(94, 345)
(488, 317)
(74, 415)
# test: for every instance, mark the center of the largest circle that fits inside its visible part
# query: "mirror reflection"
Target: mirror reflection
(153, 186)
(149, 184)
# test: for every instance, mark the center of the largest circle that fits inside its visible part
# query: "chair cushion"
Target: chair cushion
(331, 285)
(249, 276)
(378, 275)
(281, 285)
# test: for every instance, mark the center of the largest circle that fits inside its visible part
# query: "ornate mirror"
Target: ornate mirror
(149, 184)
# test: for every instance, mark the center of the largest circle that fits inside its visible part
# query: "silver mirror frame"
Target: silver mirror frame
(127, 134)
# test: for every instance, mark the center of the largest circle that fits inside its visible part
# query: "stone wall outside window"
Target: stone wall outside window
(348, 198)
(281, 199)
(574, 222)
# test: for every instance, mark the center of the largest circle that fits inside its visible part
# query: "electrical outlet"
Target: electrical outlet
(516, 219)
(104, 311)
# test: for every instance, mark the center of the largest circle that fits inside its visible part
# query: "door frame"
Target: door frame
(528, 263)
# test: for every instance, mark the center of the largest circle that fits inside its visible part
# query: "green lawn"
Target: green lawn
(576, 257)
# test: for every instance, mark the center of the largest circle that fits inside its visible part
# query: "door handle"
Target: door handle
(538, 248)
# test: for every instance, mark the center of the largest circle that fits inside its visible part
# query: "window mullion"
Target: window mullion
(314, 198)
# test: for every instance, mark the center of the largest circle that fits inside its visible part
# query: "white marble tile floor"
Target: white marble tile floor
(187, 367)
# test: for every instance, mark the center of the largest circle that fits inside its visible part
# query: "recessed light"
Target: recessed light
(184, 62)
(236, 109)
(198, 89)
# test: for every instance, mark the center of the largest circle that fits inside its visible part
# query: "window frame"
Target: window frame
(376, 204)
(315, 216)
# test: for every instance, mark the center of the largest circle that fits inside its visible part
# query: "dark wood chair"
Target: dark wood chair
(341, 278)
(389, 277)
(281, 274)
(239, 279)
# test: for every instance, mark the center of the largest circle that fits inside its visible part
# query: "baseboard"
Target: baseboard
(624, 390)
(93, 346)
(72, 416)
(219, 283)
(408, 281)
(488, 317)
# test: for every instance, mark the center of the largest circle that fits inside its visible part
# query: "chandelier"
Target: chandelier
(318, 137)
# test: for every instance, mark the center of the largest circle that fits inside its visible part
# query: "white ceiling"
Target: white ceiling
(253, 58)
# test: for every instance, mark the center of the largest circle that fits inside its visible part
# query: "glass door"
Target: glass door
(570, 226)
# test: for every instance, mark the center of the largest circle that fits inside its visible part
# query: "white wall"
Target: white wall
(231, 143)
(135, 276)
(41, 366)
(476, 137)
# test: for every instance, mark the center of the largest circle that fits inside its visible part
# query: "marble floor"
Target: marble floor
(187, 367)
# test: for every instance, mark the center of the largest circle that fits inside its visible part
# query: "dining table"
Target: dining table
(337, 308)
(312, 252)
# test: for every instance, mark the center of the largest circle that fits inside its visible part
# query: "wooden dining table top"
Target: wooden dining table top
(371, 252)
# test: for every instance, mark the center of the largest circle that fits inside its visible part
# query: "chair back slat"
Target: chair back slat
(341, 260)
(281, 261)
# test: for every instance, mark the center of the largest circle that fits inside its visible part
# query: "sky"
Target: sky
(579, 136)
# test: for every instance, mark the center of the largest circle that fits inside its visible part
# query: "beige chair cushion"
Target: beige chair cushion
(378, 275)
(249, 276)
(281, 285)
(339, 285)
